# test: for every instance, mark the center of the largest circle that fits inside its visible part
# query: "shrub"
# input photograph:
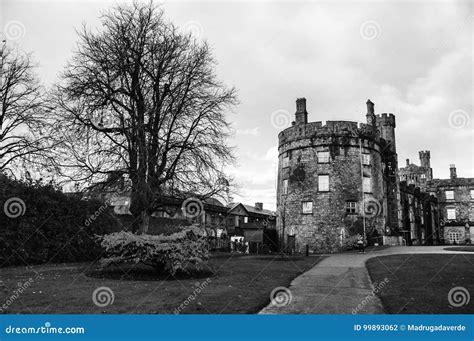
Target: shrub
(350, 242)
(167, 254)
(53, 227)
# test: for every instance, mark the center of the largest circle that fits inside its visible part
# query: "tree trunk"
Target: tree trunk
(145, 223)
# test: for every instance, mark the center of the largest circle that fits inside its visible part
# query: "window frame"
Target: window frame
(320, 176)
(284, 190)
(364, 185)
(450, 209)
(446, 194)
(325, 159)
(303, 207)
(366, 157)
(351, 207)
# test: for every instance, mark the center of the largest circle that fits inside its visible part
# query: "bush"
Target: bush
(167, 254)
(350, 242)
(51, 227)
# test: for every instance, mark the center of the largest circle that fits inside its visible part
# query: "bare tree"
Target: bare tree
(141, 99)
(22, 114)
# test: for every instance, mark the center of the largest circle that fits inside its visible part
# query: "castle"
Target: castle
(341, 179)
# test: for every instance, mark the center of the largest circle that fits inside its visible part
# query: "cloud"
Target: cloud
(249, 132)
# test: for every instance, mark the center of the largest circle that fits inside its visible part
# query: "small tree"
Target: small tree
(141, 99)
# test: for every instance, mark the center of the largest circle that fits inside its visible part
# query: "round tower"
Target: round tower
(330, 184)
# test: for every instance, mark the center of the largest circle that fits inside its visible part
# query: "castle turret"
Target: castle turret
(386, 126)
(301, 115)
(425, 163)
(370, 113)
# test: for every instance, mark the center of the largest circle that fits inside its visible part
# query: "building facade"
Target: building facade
(456, 206)
(337, 179)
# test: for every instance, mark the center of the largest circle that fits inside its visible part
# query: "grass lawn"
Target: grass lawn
(232, 284)
(420, 283)
(468, 248)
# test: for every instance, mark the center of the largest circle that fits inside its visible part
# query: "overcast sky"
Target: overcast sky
(413, 59)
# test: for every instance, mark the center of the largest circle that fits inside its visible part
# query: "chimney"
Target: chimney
(408, 162)
(259, 206)
(452, 171)
(301, 115)
(370, 113)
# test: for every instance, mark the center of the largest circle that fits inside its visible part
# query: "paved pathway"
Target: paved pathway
(339, 283)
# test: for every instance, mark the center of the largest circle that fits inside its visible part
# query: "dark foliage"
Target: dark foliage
(54, 227)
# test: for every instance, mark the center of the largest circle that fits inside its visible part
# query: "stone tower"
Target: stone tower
(425, 163)
(331, 180)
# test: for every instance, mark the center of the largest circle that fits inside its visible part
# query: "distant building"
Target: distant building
(417, 175)
(456, 205)
(419, 216)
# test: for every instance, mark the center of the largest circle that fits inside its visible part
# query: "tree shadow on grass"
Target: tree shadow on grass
(146, 273)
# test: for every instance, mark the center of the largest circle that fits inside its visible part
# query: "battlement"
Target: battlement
(328, 128)
(385, 120)
(424, 153)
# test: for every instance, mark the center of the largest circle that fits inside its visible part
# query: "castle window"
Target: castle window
(454, 236)
(451, 213)
(449, 195)
(366, 159)
(307, 207)
(472, 193)
(351, 207)
(323, 183)
(286, 160)
(423, 176)
(323, 157)
(367, 184)
(285, 186)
